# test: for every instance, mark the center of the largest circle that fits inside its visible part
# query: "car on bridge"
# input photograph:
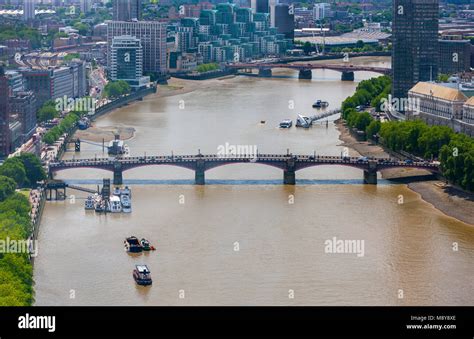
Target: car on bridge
(362, 159)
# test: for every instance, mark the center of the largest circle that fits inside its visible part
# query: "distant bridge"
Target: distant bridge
(347, 70)
(201, 163)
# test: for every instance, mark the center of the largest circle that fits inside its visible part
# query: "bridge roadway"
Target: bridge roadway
(347, 70)
(201, 163)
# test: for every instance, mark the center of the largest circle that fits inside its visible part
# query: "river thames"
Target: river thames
(244, 238)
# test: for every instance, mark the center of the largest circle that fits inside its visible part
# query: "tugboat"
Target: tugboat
(145, 244)
(142, 275)
(89, 203)
(132, 245)
(320, 104)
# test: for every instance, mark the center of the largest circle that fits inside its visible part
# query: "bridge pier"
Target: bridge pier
(305, 74)
(289, 177)
(347, 76)
(370, 174)
(199, 173)
(118, 176)
(265, 72)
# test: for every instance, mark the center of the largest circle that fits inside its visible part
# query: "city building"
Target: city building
(23, 105)
(415, 44)
(285, 21)
(468, 112)
(439, 105)
(260, 6)
(15, 80)
(29, 10)
(126, 62)
(126, 10)
(227, 34)
(454, 56)
(86, 5)
(152, 35)
(272, 4)
(321, 11)
(50, 84)
(5, 137)
(183, 62)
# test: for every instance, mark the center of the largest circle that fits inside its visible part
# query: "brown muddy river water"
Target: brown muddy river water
(244, 238)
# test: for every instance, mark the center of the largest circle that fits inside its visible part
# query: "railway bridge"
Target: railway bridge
(347, 70)
(201, 163)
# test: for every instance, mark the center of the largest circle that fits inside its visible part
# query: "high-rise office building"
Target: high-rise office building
(321, 11)
(415, 51)
(126, 10)
(86, 5)
(126, 61)
(28, 10)
(272, 4)
(23, 104)
(260, 6)
(284, 20)
(454, 56)
(152, 35)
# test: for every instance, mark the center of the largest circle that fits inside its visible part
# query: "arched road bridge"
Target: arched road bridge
(201, 163)
(347, 70)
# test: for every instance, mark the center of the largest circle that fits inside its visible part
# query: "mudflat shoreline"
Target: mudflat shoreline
(449, 200)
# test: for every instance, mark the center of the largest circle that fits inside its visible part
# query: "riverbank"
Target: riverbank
(106, 133)
(177, 86)
(447, 199)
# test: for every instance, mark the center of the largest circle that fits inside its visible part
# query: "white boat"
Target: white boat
(287, 123)
(126, 203)
(126, 191)
(117, 191)
(115, 204)
(89, 203)
(302, 121)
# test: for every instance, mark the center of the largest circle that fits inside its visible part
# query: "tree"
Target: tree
(48, 139)
(307, 48)
(14, 169)
(47, 112)
(373, 128)
(363, 120)
(359, 44)
(34, 171)
(82, 28)
(7, 187)
(443, 77)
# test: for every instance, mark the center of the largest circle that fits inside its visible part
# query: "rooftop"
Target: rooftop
(470, 101)
(438, 91)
